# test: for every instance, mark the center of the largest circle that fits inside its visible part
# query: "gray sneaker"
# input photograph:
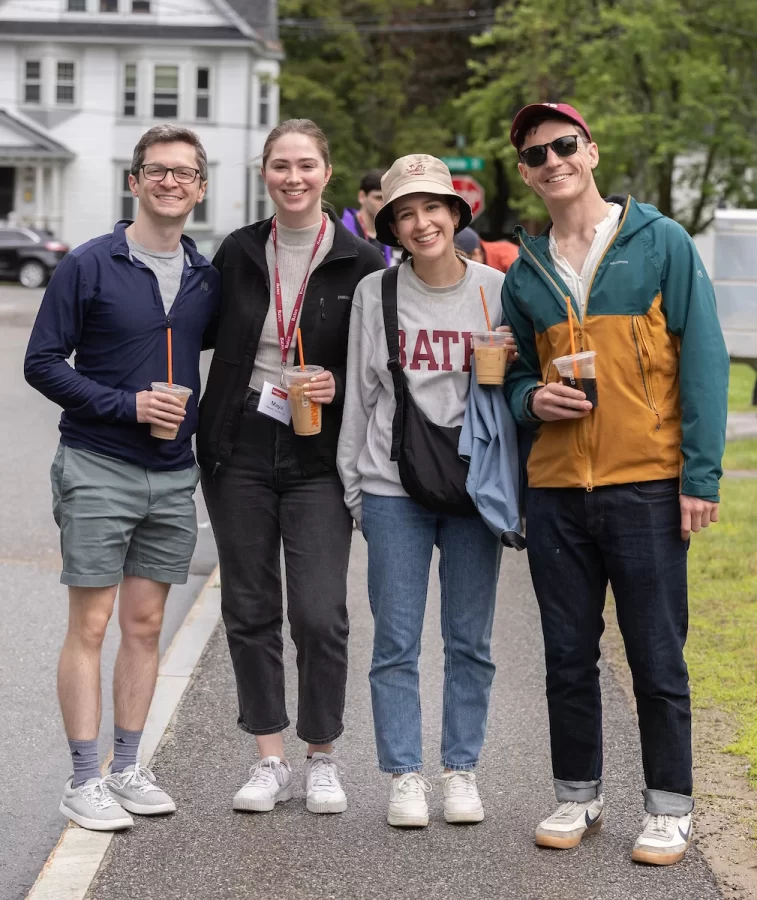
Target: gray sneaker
(135, 790)
(91, 806)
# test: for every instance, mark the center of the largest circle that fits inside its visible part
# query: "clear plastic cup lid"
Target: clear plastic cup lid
(575, 357)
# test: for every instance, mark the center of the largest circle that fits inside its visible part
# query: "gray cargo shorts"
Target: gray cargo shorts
(117, 519)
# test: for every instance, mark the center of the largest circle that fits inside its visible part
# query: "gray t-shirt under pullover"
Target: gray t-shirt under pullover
(167, 266)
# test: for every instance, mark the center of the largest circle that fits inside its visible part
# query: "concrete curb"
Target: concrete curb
(74, 861)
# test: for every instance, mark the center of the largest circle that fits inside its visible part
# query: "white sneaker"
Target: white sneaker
(407, 801)
(270, 783)
(569, 823)
(324, 792)
(664, 840)
(461, 800)
(91, 806)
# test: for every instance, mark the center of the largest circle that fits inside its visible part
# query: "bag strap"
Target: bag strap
(391, 327)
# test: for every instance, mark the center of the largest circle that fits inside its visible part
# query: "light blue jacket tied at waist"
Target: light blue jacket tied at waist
(489, 443)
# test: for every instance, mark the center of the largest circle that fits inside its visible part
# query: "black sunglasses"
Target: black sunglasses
(537, 155)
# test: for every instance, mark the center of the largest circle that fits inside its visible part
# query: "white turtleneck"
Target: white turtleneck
(295, 246)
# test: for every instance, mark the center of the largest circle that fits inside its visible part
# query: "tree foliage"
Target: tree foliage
(669, 88)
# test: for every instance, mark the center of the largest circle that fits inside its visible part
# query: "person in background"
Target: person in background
(469, 244)
(500, 254)
(121, 497)
(266, 486)
(438, 306)
(615, 488)
(362, 221)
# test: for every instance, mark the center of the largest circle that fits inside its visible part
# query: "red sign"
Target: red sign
(470, 190)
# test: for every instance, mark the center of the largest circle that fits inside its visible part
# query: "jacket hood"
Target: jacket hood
(634, 218)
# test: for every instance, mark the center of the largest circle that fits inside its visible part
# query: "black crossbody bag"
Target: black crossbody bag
(430, 468)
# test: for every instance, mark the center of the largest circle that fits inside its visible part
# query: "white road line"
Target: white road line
(73, 863)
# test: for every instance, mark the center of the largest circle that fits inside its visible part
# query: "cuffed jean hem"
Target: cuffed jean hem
(400, 770)
(666, 803)
(319, 740)
(163, 576)
(261, 731)
(577, 791)
(467, 767)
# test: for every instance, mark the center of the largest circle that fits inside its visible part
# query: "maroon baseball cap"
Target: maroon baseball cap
(528, 114)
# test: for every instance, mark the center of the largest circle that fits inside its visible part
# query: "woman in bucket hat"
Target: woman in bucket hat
(438, 306)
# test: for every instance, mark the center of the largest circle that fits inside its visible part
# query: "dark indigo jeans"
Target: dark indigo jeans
(256, 502)
(630, 535)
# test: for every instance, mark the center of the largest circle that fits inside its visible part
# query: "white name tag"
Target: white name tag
(274, 402)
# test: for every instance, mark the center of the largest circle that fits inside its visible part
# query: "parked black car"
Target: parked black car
(29, 255)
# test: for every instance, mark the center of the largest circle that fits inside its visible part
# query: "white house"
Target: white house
(81, 80)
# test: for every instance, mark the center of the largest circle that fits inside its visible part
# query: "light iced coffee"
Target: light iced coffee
(175, 390)
(306, 414)
(490, 352)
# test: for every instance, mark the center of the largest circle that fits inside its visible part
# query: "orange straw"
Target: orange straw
(572, 336)
(486, 313)
(170, 360)
(299, 347)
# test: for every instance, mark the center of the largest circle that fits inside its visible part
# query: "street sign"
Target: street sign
(470, 190)
(464, 163)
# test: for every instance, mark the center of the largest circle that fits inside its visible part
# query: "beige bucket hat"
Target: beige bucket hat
(416, 174)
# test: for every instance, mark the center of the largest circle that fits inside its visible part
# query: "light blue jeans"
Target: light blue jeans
(401, 536)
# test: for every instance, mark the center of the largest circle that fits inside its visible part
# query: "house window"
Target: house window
(128, 201)
(202, 106)
(261, 199)
(264, 101)
(140, 6)
(130, 89)
(64, 89)
(32, 81)
(166, 95)
(108, 5)
(77, 5)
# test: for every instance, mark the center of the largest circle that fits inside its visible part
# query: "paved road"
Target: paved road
(207, 852)
(33, 754)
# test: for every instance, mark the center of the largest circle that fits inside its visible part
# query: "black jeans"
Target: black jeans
(258, 501)
(630, 535)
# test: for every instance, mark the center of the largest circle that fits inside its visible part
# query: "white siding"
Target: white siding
(164, 12)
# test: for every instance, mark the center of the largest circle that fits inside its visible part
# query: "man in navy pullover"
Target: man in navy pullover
(121, 497)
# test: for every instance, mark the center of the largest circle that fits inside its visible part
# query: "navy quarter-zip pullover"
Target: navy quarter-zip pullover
(105, 307)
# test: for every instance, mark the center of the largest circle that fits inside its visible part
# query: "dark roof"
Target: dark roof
(41, 145)
(262, 15)
(117, 31)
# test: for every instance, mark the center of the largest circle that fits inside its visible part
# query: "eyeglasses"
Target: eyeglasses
(536, 156)
(181, 174)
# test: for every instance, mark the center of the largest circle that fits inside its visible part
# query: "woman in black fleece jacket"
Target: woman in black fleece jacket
(264, 485)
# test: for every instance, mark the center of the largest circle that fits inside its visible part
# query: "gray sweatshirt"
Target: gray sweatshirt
(435, 325)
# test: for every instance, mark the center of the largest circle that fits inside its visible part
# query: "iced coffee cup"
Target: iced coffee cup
(306, 415)
(490, 351)
(578, 370)
(182, 394)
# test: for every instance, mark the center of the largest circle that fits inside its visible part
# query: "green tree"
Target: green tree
(669, 88)
(379, 76)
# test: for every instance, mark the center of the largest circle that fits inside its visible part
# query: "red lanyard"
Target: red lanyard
(285, 342)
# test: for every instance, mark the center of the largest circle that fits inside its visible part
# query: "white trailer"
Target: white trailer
(735, 280)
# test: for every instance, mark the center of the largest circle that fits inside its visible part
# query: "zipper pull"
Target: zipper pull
(323, 312)
(216, 467)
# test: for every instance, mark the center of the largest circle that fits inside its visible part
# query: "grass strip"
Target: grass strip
(722, 646)
(740, 388)
(741, 454)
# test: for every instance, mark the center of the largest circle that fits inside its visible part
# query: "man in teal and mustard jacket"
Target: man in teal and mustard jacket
(616, 486)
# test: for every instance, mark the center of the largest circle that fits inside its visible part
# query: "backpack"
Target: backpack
(430, 467)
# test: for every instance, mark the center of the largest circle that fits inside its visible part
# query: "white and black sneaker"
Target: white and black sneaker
(270, 783)
(569, 823)
(664, 840)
